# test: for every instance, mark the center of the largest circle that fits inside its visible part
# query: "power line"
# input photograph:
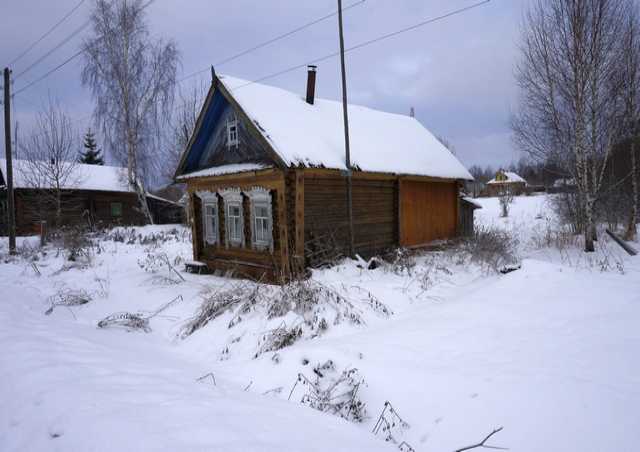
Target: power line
(60, 44)
(28, 49)
(68, 60)
(272, 40)
(289, 33)
(366, 43)
(298, 66)
(226, 60)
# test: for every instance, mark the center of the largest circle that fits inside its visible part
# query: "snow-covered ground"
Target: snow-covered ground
(549, 352)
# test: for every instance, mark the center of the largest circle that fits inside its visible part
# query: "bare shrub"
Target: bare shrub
(492, 248)
(75, 242)
(217, 301)
(332, 392)
(278, 338)
(154, 262)
(506, 199)
(432, 270)
(153, 240)
(555, 236)
(569, 211)
(400, 261)
(391, 425)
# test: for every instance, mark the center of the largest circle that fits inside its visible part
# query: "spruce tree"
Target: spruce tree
(91, 154)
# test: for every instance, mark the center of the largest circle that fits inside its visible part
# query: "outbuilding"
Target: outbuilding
(91, 195)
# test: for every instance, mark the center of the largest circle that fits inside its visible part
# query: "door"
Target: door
(428, 211)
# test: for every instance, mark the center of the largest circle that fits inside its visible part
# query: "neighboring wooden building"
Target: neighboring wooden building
(266, 179)
(468, 206)
(506, 182)
(97, 196)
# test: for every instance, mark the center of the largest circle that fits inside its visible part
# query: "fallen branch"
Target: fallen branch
(482, 444)
(631, 251)
(210, 374)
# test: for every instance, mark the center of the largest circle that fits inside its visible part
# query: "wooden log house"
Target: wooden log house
(506, 182)
(93, 195)
(266, 180)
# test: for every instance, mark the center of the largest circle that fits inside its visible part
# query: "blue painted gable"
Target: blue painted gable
(211, 117)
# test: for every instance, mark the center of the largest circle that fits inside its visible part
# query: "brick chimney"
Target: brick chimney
(311, 84)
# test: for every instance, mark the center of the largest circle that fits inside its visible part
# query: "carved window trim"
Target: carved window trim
(232, 131)
(233, 199)
(260, 198)
(210, 220)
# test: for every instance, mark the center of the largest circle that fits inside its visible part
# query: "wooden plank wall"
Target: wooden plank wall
(429, 211)
(374, 211)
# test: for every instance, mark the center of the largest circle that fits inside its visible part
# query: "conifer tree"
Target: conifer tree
(91, 154)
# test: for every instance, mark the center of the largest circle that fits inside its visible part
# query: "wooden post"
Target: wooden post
(11, 212)
(43, 233)
(345, 115)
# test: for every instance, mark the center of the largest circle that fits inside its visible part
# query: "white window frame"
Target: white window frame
(233, 198)
(232, 131)
(261, 197)
(209, 230)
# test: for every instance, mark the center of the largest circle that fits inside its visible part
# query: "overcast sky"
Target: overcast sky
(456, 73)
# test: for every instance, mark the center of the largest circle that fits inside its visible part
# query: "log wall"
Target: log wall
(325, 214)
(78, 208)
(244, 261)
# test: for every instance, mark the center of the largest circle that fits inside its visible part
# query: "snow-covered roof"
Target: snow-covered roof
(83, 177)
(312, 135)
(472, 201)
(160, 198)
(224, 169)
(564, 183)
(511, 178)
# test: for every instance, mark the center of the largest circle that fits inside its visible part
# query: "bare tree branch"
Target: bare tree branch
(483, 443)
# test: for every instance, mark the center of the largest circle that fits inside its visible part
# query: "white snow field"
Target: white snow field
(549, 352)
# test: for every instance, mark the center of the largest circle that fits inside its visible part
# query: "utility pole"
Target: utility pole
(11, 220)
(346, 133)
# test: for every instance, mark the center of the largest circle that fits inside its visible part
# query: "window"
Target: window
(210, 218)
(262, 224)
(261, 218)
(232, 131)
(233, 216)
(234, 223)
(116, 209)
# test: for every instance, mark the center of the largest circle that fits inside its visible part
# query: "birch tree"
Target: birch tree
(132, 77)
(630, 83)
(571, 98)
